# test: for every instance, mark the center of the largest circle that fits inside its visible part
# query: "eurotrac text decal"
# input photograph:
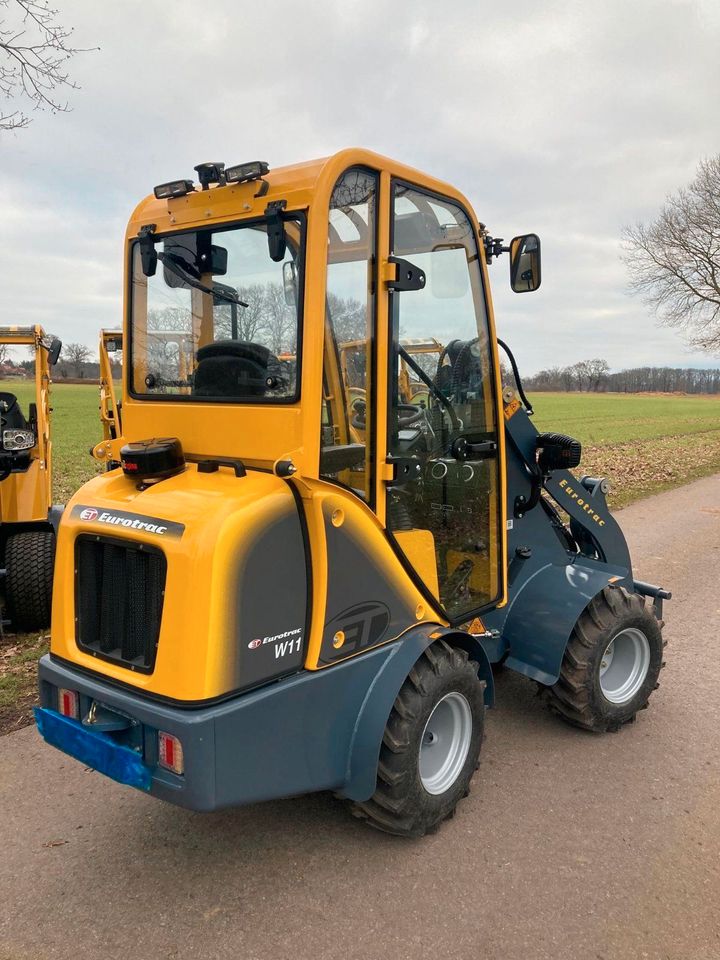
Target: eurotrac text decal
(119, 520)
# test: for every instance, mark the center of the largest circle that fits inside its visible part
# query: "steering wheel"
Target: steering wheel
(408, 414)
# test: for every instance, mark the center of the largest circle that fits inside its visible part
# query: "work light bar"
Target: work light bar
(246, 171)
(176, 188)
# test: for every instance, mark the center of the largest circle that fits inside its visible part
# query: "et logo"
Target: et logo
(254, 644)
(88, 514)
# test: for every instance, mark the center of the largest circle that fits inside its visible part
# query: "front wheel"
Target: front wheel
(430, 746)
(611, 664)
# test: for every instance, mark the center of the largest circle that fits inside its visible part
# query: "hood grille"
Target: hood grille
(119, 592)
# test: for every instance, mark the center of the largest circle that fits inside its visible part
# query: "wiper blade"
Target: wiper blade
(177, 266)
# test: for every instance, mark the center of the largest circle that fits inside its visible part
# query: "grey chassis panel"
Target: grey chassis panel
(316, 730)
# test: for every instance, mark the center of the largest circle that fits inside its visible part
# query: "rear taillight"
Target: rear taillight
(170, 753)
(68, 703)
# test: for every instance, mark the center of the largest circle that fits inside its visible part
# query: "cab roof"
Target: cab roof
(299, 184)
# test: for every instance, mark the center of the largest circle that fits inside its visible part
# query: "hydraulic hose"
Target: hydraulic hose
(516, 375)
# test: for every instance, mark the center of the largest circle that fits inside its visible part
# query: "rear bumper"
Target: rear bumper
(292, 736)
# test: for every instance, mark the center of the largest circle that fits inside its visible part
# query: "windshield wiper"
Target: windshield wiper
(177, 266)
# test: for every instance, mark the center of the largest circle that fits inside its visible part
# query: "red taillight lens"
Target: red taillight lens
(170, 753)
(68, 703)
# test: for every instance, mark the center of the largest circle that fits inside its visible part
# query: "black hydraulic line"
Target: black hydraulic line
(516, 374)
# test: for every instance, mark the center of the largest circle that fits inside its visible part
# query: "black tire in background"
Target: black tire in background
(583, 694)
(29, 561)
(408, 801)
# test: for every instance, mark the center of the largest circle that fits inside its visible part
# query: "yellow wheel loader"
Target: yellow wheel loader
(282, 590)
(27, 516)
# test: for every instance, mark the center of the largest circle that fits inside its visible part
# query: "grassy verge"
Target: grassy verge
(18, 679)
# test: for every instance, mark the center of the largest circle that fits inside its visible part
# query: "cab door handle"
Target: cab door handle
(463, 449)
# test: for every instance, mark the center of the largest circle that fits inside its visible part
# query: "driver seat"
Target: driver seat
(12, 418)
(231, 368)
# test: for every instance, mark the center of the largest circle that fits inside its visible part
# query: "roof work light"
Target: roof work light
(246, 171)
(176, 188)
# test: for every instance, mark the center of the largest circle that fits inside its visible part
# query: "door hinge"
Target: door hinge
(406, 277)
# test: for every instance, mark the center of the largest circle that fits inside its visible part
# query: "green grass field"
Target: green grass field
(641, 443)
(603, 418)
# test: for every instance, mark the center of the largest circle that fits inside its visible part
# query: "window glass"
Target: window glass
(346, 454)
(442, 418)
(219, 318)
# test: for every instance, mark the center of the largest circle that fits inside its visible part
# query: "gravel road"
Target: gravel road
(569, 846)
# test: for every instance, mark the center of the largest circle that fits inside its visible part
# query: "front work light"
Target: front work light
(176, 188)
(18, 439)
(246, 171)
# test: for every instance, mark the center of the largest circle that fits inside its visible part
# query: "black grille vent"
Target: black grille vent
(119, 600)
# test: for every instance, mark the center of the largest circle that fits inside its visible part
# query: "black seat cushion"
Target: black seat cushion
(231, 368)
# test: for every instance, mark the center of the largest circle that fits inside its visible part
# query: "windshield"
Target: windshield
(219, 318)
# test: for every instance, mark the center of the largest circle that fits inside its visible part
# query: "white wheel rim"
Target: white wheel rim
(445, 743)
(624, 665)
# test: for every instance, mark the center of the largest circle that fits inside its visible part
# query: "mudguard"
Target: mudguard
(542, 615)
(372, 717)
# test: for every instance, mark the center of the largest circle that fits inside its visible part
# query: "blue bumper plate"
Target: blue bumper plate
(96, 750)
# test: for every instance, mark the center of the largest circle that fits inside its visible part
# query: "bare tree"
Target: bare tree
(77, 354)
(34, 49)
(674, 261)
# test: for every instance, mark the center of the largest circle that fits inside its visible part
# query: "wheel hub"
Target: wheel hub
(445, 743)
(624, 665)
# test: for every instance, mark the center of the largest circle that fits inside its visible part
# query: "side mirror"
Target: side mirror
(525, 272)
(54, 351)
(290, 282)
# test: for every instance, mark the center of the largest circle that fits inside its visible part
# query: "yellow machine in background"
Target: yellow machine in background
(27, 536)
(111, 341)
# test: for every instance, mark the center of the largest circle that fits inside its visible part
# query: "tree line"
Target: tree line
(594, 376)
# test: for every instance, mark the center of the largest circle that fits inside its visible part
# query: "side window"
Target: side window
(442, 417)
(346, 449)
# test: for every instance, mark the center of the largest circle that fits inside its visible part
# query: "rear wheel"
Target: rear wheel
(611, 663)
(431, 745)
(29, 560)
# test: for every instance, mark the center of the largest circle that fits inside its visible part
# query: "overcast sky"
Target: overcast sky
(570, 119)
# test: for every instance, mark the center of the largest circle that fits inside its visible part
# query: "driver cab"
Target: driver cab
(333, 318)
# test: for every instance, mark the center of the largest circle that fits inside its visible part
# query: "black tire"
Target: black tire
(29, 561)
(578, 696)
(401, 805)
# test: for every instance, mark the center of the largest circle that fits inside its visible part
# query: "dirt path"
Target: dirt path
(570, 846)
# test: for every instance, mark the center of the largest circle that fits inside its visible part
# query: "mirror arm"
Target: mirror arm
(493, 247)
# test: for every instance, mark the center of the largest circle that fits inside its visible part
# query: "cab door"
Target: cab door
(443, 492)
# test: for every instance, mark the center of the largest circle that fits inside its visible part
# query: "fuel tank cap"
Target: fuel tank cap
(155, 459)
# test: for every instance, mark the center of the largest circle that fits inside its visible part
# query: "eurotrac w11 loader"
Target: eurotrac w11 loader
(27, 515)
(269, 595)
